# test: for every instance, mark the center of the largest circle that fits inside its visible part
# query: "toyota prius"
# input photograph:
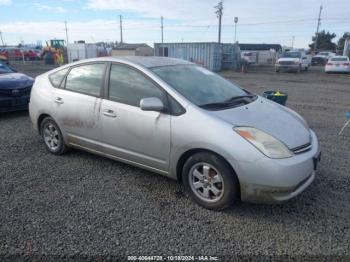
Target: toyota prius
(180, 120)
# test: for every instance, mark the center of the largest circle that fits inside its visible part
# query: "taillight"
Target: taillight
(347, 64)
(329, 64)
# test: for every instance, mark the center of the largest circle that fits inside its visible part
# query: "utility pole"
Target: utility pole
(318, 28)
(218, 12)
(2, 40)
(293, 37)
(121, 28)
(162, 29)
(66, 29)
(236, 21)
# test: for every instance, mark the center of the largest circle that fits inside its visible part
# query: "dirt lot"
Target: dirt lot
(84, 205)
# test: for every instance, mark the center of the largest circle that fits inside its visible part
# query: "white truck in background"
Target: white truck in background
(292, 61)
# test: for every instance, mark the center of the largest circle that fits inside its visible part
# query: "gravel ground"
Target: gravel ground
(87, 206)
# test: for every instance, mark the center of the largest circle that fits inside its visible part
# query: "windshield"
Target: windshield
(291, 55)
(323, 53)
(198, 84)
(4, 69)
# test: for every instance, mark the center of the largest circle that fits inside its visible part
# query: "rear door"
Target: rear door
(77, 104)
(130, 133)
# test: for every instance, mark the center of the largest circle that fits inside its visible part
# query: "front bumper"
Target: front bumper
(9, 104)
(277, 180)
(291, 67)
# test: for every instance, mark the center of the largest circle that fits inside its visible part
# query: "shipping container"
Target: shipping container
(231, 56)
(209, 55)
(79, 51)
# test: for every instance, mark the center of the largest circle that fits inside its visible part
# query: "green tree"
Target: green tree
(341, 41)
(324, 41)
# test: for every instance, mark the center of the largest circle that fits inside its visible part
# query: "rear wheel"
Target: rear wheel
(52, 136)
(210, 181)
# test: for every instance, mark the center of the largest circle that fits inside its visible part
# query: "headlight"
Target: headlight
(268, 145)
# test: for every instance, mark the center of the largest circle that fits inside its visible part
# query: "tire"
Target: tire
(210, 181)
(306, 68)
(52, 136)
(277, 70)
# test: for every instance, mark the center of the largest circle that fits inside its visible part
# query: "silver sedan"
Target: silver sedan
(180, 120)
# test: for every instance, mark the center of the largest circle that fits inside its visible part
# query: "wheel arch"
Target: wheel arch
(182, 160)
(40, 120)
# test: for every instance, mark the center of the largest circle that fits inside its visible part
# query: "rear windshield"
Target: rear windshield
(340, 59)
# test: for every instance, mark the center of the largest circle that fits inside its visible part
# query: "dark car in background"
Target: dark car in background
(15, 89)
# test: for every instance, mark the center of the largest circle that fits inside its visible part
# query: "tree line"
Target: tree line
(325, 41)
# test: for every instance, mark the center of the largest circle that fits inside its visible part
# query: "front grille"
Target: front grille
(286, 63)
(302, 149)
(21, 91)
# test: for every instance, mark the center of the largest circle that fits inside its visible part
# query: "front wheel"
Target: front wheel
(210, 181)
(52, 136)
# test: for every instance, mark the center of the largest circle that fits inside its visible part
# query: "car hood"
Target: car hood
(288, 59)
(15, 80)
(271, 118)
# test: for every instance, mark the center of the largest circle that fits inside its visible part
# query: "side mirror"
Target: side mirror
(151, 104)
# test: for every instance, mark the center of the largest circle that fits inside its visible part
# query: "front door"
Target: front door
(77, 105)
(129, 133)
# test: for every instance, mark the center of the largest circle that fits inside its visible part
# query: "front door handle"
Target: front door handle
(59, 100)
(109, 113)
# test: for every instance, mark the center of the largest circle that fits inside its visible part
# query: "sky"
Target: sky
(263, 21)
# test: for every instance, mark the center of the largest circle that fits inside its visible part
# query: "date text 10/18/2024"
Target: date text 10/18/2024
(172, 258)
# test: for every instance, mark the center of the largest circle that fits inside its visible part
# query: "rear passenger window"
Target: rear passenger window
(57, 77)
(129, 86)
(87, 79)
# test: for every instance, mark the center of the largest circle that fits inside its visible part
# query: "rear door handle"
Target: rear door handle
(58, 100)
(109, 113)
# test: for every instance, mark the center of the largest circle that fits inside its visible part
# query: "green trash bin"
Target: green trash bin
(276, 96)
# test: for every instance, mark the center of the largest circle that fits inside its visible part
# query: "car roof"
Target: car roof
(145, 61)
(155, 61)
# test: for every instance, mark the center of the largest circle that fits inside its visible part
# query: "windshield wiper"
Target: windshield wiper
(239, 98)
(236, 100)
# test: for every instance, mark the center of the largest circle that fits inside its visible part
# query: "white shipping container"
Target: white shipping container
(78, 52)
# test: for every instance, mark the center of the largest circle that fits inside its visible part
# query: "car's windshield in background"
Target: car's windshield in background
(198, 84)
(4, 69)
(323, 53)
(291, 55)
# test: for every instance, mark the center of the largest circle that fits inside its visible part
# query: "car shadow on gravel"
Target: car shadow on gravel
(14, 114)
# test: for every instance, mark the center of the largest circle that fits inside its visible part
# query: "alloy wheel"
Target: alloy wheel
(206, 182)
(51, 137)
